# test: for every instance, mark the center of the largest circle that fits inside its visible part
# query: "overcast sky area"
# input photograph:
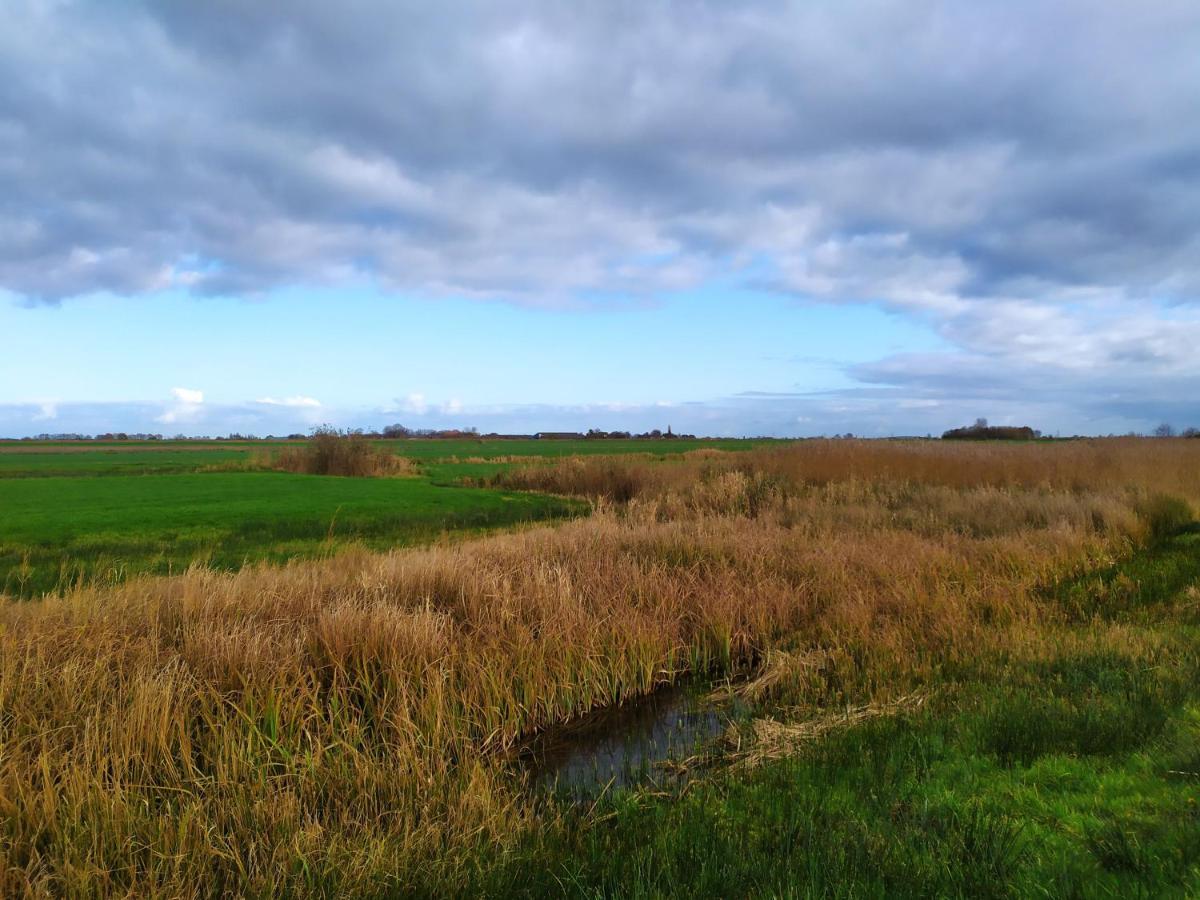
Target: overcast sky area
(730, 218)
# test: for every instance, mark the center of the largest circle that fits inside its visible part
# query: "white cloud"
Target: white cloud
(414, 403)
(187, 407)
(188, 396)
(297, 401)
(418, 404)
(972, 166)
(46, 412)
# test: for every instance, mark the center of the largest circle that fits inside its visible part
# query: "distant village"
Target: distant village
(390, 432)
(979, 431)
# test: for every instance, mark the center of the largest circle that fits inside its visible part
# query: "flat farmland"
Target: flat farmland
(56, 531)
(76, 511)
(30, 459)
(815, 668)
(40, 461)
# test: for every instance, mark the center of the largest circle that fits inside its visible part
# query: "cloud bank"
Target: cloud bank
(1021, 176)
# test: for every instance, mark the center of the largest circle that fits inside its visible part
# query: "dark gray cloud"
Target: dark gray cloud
(536, 151)
(1020, 175)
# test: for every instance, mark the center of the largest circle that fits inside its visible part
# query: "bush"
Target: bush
(347, 453)
(984, 432)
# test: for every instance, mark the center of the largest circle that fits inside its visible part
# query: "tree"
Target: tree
(979, 432)
(1164, 430)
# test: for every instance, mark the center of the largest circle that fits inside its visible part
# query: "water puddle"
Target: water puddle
(631, 744)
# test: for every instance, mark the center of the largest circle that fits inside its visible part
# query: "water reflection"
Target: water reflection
(628, 744)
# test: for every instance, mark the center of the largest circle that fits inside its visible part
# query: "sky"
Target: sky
(755, 218)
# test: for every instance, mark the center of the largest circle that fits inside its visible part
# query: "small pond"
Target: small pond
(630, 744)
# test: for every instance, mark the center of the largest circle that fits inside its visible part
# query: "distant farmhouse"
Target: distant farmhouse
(559, 436)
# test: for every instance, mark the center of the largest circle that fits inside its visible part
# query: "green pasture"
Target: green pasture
(72, 511)
(47, 462)
(27, 459)
(57, 530)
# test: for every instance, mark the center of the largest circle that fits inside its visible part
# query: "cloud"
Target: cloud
(46, 412)
(412, 403)
(416, 404)
(907, 394)
(192, 418)
(188, 396)
(297, 401)
(187, 406)
(887, 150)
(1022, 177)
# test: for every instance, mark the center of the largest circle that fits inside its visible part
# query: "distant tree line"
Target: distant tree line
(592, 434)
(982, 431)
(400, 431)
(107, 436)
(388, 432)
(595, 434)
(1166, 430)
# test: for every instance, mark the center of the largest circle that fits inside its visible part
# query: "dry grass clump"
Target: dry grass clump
(614, 478)
(1083, 465)
(340, 726)
(772, 739)
(780, 668)
(1164, 466)
(333, 452)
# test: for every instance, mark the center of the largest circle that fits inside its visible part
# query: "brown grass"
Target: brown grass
(1074, 466)
(773, 739)
(340, 725)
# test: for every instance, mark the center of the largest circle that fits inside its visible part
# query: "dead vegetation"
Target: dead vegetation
(333, 452)
(774, 739)
(1071, 466)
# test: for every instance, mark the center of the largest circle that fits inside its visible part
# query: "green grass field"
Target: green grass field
(72, 511)
(45, 462)
(29, 459)
(57, 530)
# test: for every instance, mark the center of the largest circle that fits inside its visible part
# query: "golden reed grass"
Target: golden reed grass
(340, 725)
(1163, 465)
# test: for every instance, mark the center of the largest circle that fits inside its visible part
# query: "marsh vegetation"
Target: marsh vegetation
(968, 669)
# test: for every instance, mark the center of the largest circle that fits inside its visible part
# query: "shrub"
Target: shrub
(333, 452)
